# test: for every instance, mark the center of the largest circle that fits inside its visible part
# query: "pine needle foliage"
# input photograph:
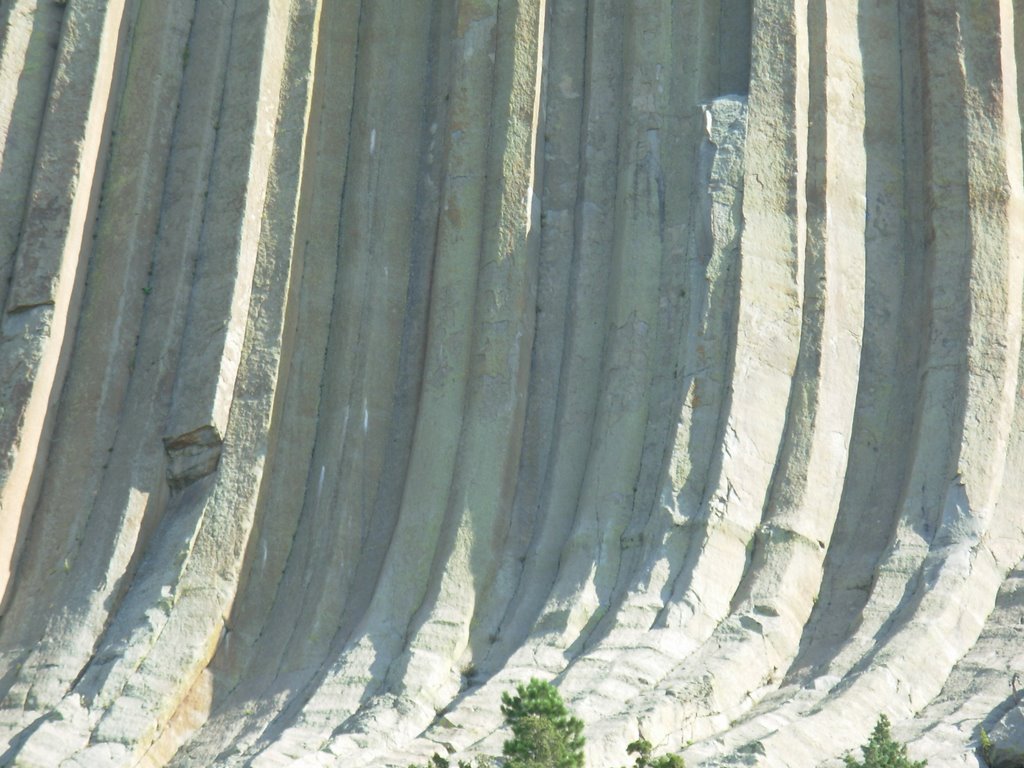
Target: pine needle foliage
(882, 751)
(544, 733)
(642, 749)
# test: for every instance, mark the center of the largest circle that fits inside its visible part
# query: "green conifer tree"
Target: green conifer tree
(882, 751)
(544, 732)
(642, 749)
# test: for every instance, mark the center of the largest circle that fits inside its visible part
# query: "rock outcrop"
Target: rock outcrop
(361, 359)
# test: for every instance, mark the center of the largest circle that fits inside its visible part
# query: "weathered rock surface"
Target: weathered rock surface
(361, 359)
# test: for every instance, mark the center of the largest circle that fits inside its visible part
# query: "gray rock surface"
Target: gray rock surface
(359, 360)
(1008, 741)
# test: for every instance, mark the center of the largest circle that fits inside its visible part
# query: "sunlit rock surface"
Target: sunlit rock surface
(359, 359)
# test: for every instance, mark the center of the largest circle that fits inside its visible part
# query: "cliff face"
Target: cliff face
(359, 359)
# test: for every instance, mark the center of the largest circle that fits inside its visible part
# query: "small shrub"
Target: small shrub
(882, 751)
(544, 732)
(642, 749)
(986, 746)
(440, 762)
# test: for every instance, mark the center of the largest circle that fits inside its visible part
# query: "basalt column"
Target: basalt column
(360, 359)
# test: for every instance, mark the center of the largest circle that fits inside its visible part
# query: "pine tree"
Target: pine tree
(642, 749)
(544, 732)
(882, 751)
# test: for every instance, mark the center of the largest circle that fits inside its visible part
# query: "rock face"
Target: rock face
(359, 359)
